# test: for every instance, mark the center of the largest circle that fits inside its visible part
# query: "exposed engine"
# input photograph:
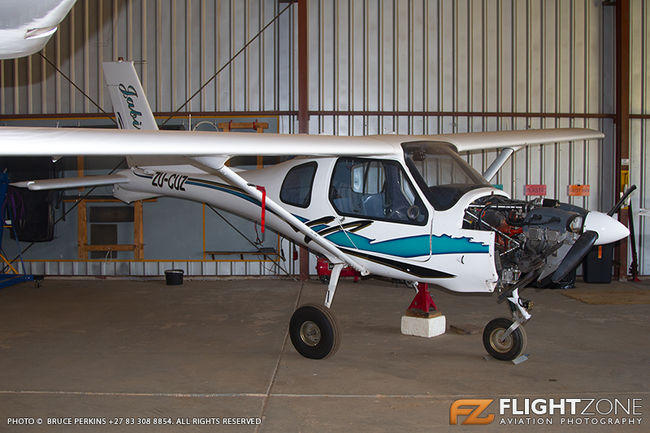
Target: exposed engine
(531, 237)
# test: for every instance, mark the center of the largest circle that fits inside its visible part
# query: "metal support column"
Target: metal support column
(622, 157)
(303, 101)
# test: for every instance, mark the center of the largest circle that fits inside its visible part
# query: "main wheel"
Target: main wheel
(314, 332)
(508, 349)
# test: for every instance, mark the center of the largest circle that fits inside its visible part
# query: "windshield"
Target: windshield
(443, 176)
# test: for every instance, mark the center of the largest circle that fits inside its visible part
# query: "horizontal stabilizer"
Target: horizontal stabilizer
(71, 182)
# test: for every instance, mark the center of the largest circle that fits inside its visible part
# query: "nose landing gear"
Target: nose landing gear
(505, 339)
(503, 343)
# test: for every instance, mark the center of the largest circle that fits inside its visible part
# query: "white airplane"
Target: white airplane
(27, 25)
(397, 206)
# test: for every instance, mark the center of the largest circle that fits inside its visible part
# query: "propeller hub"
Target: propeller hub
(609, 229)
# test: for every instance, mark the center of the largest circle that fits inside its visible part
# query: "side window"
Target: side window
(296, 187)
(376, 189)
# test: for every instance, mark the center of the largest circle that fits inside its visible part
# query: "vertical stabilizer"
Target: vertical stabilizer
(133, 112)
(129, 101)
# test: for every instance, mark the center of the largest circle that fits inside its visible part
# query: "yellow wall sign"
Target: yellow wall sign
(625, 178)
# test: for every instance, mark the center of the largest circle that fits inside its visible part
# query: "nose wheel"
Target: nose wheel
(503, 343)
(503, 338)
(314, 332)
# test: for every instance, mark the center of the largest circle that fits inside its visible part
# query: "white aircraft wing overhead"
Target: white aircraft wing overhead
(72, 141)
(18, 141)
(471, 141)
(27, 25)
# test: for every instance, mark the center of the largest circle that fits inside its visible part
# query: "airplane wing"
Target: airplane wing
(511, 141)
(473, 141)
(20, 141)
(221, 146)
(17, 141)
(27, 25)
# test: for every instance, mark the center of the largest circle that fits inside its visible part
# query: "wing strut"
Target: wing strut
(498, 162)
(236, 180)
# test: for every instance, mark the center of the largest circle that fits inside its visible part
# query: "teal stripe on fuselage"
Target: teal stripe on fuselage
(446, 244)
(413, 246)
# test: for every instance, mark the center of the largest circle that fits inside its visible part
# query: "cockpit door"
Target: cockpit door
(380, 209)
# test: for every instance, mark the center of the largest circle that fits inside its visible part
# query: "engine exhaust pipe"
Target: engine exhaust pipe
(576, 253)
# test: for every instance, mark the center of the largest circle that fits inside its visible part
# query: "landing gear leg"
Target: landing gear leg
(334, 281)
(313, 329)
(503, 338)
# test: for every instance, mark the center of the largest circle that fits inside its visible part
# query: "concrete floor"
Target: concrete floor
(213, 349)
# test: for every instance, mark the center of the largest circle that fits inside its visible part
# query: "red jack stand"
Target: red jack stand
(422, 318)
(423, 305)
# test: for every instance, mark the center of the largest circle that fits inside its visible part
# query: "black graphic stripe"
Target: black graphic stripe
(418, 271)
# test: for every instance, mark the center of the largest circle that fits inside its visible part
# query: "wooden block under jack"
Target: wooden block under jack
(419, 313)
(422, 324)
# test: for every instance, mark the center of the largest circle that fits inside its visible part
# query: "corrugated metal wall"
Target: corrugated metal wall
(449, 58)
(176, 45)
(434, 65)
(640, 124)
(498, 56)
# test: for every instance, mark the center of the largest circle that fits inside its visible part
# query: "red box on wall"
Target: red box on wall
(537, 190)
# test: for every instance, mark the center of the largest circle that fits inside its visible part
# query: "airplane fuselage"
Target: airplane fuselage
(434, 249)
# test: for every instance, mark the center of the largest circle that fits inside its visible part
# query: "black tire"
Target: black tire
(325, 279)
(314, 332)
(509, 349)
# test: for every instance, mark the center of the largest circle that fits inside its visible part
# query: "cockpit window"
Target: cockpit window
(443, 175)
(297, 185)
(375, 189)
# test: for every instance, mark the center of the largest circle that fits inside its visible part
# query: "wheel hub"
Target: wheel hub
(498, 343)
(310, 333)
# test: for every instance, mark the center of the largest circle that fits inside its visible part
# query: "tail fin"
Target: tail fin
(129, 102)
(133, 112)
